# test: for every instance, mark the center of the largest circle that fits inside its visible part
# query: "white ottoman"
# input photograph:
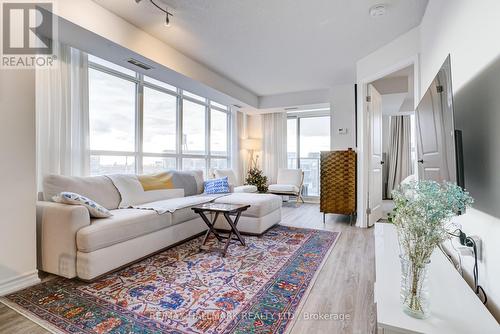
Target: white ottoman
(264, 212)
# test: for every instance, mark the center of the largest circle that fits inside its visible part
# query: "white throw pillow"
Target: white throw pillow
(220, 173)
(132, 192)
(96, 210)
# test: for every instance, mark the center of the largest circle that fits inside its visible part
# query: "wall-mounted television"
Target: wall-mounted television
(439, 143)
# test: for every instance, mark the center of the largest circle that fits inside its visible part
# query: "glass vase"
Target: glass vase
(414, 292)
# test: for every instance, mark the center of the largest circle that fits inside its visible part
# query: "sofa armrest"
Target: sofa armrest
(57, 225)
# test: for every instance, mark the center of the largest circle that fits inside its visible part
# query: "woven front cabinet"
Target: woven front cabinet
(338, 182)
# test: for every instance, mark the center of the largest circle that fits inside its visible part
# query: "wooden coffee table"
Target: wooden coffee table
(227, 210)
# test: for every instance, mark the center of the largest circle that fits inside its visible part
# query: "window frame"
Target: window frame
(138, 153)
(298, 116)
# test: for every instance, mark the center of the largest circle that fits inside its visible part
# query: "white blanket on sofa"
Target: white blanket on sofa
(173, 204)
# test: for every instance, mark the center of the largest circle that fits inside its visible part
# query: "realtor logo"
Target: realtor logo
(27, 34)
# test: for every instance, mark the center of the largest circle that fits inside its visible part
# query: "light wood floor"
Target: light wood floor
(344, 286)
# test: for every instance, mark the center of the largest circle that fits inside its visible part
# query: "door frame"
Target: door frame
(371, 119)
(364, 130)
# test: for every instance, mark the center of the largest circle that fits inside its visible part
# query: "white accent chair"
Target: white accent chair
(233, 181)
(289, 183)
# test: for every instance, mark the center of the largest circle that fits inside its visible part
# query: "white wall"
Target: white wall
(294, 99)
(342, 102)
(18, 173)
(469, 31)
(374, 66)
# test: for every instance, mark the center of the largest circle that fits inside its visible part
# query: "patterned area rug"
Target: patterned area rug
(255, 289)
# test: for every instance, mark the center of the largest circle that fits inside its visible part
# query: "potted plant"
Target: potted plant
(422, 214)
(256, 177)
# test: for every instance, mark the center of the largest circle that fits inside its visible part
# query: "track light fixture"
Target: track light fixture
(165, 11)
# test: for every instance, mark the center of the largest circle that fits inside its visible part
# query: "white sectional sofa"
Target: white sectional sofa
(72, 244)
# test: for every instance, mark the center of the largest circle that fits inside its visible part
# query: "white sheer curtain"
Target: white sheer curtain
(399, 157)
(62, 121)
(237, 154)
(274, 144)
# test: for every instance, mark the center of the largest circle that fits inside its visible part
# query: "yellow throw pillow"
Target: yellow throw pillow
(158, 181)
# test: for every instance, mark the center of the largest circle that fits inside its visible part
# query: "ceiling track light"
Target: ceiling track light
(165, 11)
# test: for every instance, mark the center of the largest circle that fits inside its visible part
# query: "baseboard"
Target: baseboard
(18, 283)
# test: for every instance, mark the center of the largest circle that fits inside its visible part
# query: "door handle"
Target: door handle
(382, 162)
(421, 161)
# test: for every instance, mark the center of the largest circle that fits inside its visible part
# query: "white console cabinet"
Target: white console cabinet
(454, 306)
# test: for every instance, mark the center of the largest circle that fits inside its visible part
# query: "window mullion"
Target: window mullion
(298, 142)
(208, 128)
(229, 137)
(139, 125)
(180, 135)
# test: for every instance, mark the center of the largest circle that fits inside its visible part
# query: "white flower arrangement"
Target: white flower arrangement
(422, 215)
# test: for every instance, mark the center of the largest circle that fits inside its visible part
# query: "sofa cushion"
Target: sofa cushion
(190, 181)
(98, 188)
(95, 209)
(133, 193)
(245, 189)
(220, 173)
(283, 188)
(260, 204)
(217, 186)
(125, 224)
(157, 181)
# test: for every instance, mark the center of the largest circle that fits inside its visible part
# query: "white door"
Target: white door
(374, 105)
(430, 137)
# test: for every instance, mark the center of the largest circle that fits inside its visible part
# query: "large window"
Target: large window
(292, 148)
(307, 136)
(193, 124)
(218, 127)
(160, 122)
(112, 112)
(142, 125)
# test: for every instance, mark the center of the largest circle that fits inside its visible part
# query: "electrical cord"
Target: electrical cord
(478, 289)
(470, 242)
(455, 235)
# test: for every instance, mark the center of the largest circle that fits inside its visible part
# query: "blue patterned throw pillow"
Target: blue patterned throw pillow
(217, 186)
(95, 210)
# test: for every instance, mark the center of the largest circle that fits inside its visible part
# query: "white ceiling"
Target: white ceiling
(272, 46)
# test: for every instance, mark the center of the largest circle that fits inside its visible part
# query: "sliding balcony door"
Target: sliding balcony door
(307, 136)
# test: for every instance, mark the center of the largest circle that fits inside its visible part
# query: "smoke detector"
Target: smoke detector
(378, 10)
